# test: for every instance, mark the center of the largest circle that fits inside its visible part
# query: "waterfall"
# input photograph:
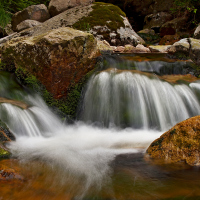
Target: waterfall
(121, 112)
(126, 98)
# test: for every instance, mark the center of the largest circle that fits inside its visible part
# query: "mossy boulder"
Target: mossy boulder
(180, 143)
(59, 58)
(104, 21)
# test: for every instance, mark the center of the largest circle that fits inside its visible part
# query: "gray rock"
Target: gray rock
(27, 24)
(58, 6)
(182, 46)
(35, 12)
(121, 34)
(197, 32)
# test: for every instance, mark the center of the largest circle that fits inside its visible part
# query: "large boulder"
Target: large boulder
(155, 21)
(180, 143)
(188, 47)
(35, 12)
(197, 32)
(136, 10)
(58, 6)
(58, 58)
(104, 21)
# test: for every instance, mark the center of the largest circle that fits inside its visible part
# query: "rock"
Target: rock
(27, 24)
(104, 46)
(169, 39)
(194, 50)
(129, 48)
(136, 10)
(180, 143)
(58, 58)
(5, 133)
(197, 32)
(104, 21)
(8, 30)
(141, 49)
(5, 39)
(181, 46)
(35, 12)
(159, 48)
(155, 21)
(174, 26)
(58, 6)
(147, 31)
(120, 49)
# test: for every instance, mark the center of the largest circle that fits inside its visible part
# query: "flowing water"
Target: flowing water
(125, 106)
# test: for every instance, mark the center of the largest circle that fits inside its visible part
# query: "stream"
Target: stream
(127, 103)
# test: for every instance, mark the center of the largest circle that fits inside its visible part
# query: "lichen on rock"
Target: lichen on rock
(180, 143)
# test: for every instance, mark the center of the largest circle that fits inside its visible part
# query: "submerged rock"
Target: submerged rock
(58, 58)
(180, 143)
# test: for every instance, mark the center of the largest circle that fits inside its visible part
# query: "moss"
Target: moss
(102, 14)
(65, 107)
(4, 153)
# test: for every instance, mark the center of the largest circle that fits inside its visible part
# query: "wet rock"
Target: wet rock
(5, 133)
(174, 26)
(35, 12)
(58, 6)
(159, 48)
(197, 32)
(8, 173)
(58, 58)
(180, 143)
(155, 21)
(27, 24)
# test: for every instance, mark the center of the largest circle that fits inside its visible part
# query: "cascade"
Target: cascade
(121, 112)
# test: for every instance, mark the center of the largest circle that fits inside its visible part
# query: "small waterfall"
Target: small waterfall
(124, 98)
(81, 154)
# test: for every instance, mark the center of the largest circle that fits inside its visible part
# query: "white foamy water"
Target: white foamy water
(81, 151)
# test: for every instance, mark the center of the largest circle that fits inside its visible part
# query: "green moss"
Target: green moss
(4, 153)
(102, 14)
(65, 107)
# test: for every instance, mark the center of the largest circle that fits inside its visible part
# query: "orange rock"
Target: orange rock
(180, 143)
